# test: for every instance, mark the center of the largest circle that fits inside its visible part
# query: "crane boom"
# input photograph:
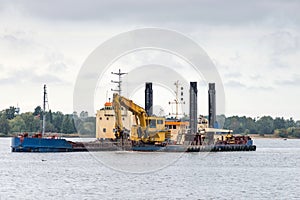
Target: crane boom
(137, 110)
(118, 123)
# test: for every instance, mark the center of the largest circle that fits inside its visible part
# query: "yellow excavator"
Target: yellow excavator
(148, 129)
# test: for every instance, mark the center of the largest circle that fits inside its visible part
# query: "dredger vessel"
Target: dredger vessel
(147, 133)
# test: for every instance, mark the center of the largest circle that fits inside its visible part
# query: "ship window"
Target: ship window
(123, 119)
(174, 126)
(160, 121)
(170, 126)
(104, 130)
(152, 123)
(107, 118)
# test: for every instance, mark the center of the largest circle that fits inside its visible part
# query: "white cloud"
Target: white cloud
(234, 84)
(255, 45)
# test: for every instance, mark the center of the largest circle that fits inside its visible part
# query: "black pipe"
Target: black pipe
(149, 99)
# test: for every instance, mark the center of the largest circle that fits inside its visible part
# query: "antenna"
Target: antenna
(45, 100)
(120, 74)
(176, 100)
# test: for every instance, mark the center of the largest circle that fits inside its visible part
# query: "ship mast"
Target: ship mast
(120, 74)
(44, 110)
(176, 100)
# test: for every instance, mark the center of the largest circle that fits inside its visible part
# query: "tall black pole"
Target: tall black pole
(44, 110)
(211, 105)
(193, 107)
(149, 99)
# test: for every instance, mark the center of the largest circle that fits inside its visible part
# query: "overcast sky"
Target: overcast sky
(255, 46)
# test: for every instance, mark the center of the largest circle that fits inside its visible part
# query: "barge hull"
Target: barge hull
(182, 148)
(62, 145)
(40, 145)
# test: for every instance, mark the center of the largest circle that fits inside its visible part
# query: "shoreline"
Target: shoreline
(76, 135)
(72, 135)
(257, 136)
(266, 136)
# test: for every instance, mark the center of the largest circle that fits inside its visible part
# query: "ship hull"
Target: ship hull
(202, 148)
(62, 145)
(40, 145)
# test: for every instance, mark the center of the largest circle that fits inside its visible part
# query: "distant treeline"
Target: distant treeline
(56, 122)
(278, 126)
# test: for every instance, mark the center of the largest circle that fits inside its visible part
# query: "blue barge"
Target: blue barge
(29, 144)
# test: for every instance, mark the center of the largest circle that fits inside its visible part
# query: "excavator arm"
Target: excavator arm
(155, 133)
(136, 110)
(118, 119)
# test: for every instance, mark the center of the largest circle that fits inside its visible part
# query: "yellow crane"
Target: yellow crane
(148, 129)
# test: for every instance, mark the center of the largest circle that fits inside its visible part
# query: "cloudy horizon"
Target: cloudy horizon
(253, 44)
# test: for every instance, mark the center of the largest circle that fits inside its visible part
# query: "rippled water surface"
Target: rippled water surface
(271, 172)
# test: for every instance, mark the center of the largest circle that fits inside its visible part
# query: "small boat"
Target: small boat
(38, 142)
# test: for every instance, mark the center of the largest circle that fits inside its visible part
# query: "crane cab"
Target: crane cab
(155, 131)
(155, 123)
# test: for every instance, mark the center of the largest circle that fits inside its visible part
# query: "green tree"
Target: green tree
(281, 133)
(298, 123)
(242, 124)
(17, 124)
(74, 125)
(4, 124)
(296, 133)
(38, 111)
(251, 125)
(232, 123)
(58, 118)
(221, 120)
(10, 112)
(290, 123)
(31, 123)
(279, 123)
(68, 125)
(265, 125)
(49, 127)
(88, 128)
(49, 116)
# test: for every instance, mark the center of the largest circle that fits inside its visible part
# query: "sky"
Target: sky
(255, 46)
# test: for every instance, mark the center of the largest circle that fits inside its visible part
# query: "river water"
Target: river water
(271, 172)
